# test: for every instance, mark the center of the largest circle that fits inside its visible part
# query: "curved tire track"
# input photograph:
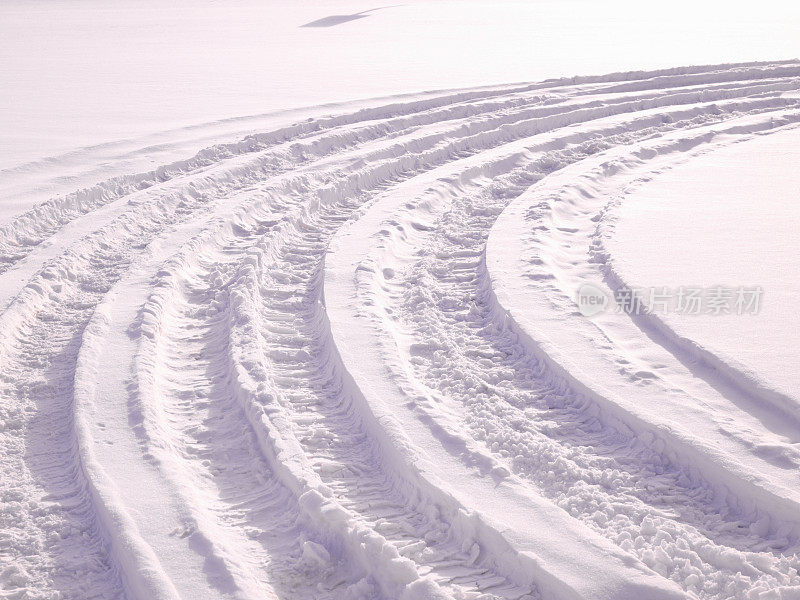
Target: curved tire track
(171, 327)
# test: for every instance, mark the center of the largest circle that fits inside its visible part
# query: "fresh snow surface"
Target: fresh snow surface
(338, 356)
(727, 217)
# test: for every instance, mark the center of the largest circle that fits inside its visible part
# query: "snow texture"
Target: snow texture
(341, 359)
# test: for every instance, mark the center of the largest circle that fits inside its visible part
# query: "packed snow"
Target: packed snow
(266, 338)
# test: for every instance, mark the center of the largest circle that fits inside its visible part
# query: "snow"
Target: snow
(728, 217)
(276, 322)
(84, 73)
(575, 563)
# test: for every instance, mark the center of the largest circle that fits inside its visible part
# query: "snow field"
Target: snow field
(290, 367)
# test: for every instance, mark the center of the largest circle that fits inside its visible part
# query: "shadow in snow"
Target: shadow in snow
(339, 19)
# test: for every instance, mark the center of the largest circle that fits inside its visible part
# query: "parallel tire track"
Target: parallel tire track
(287, 485)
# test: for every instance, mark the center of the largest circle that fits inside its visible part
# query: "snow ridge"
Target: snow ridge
(340, 360)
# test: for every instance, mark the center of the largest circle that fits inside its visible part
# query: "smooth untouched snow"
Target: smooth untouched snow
(728, 217)
(340, 358)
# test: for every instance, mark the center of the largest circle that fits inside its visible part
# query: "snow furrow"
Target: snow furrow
(446, 284)
(288, 367)
(323, 426)
(31, 228)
